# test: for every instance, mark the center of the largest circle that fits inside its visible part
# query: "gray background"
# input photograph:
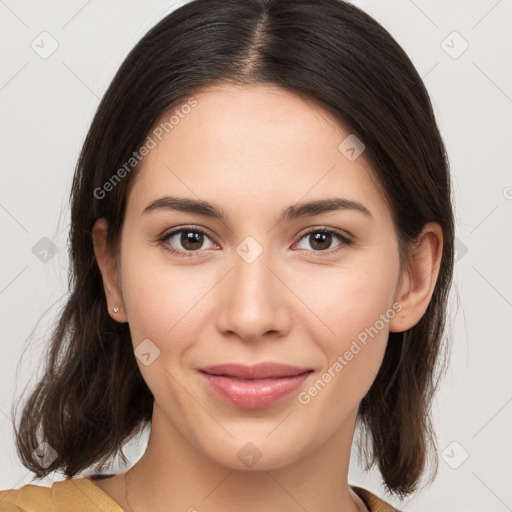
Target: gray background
(46, 107)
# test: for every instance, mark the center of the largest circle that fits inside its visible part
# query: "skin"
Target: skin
(255, 151)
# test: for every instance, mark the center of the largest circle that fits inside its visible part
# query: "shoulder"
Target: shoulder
(26, 499)
(77, 494)
(373, 502)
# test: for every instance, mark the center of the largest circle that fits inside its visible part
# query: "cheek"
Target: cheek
(355, 306)
(359, 317)
(165, 303)
(351, 299)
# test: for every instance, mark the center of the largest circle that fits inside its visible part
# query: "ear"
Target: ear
(418, 282)
(109, 271)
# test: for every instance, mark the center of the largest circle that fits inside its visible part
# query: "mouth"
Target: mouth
(253, 387)
(257, 371)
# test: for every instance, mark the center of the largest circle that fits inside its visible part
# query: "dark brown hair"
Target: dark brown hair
(92, 397)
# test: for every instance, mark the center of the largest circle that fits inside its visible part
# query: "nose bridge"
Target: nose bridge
(251, 273)
(251, 303)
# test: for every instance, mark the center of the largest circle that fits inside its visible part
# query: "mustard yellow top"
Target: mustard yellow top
(83, 495)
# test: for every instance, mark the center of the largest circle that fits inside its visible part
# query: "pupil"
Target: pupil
(188, 239)
(319, 238)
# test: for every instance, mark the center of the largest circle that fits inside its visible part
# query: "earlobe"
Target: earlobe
(109, 272)
(420, 279)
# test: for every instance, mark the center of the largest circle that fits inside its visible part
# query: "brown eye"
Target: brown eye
(191, 240)
(322, 240)
(186, 240)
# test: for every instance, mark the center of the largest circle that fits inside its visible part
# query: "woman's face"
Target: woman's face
(269, 282)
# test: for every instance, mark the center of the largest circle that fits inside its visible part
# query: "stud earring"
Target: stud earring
(115, 310)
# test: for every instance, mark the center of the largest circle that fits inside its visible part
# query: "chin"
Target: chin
(256, 453)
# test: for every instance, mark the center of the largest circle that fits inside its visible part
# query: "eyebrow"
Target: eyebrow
(293, 212)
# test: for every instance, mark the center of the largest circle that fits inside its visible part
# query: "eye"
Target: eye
(321, 239)
(191, 240)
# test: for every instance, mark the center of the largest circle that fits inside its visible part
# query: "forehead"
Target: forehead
(238, 143)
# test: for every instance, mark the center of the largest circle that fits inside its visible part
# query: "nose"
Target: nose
(252, 301)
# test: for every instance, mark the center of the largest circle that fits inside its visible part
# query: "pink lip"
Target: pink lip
(256, 371)
(253, 387)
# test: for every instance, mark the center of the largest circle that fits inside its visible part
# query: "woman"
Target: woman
(262, 247)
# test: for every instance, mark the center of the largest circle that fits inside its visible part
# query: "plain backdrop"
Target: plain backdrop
(461, 48)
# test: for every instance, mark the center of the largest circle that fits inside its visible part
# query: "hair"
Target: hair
(92, 398)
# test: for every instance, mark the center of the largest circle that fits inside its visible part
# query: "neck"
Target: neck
(173, 474)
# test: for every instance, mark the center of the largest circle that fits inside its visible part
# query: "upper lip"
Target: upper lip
(256, 371)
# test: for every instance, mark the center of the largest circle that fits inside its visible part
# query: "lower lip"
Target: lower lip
(255, 393)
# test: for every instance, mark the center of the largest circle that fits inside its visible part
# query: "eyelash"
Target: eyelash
(342, 237)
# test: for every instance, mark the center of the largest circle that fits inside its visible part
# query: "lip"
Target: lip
(256, 371)
(253, 387)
